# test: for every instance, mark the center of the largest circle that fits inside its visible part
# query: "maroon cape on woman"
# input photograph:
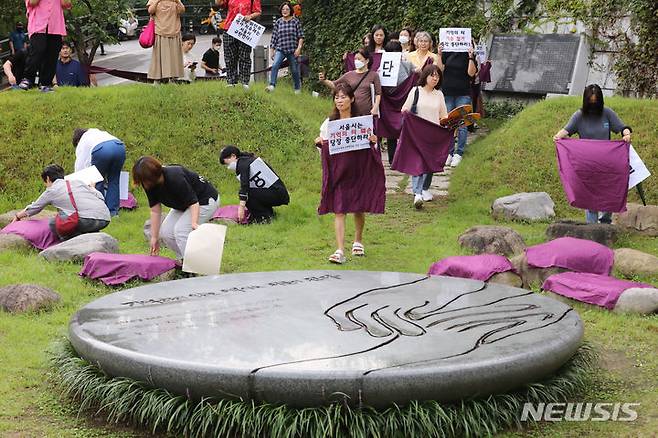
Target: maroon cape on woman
(423, 146)
(389, 123)
(352, 182)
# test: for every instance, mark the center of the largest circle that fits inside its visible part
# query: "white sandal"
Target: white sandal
(337, 257)
(357, 249)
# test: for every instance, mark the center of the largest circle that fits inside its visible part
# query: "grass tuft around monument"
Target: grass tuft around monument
(190, 124)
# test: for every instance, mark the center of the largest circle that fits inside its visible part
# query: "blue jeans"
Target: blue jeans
(279, 56)
(420, 183)
(592, 217)
(109, 157)
(453, 102)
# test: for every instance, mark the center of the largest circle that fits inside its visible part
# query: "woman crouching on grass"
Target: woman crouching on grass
(352, 182)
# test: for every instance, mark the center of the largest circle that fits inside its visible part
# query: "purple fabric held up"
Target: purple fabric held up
(230, 213)
(484, 73)
(128, 204)
(478, 267)
(352, 182)
(578, 255)
(599, 290)
(423, 146)
(389, 123)
(594, 173)
(115, 269)
(35, 231)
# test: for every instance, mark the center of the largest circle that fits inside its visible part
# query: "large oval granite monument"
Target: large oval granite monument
(310, 338)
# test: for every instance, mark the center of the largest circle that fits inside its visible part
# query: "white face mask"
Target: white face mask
(359, 64)
(232, 166)
(216, 48)
(404, 39)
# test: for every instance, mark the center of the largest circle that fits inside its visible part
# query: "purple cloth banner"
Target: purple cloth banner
(594, 173)
(478, 267)
(230, 213)
(599, 290)
(352, 182)
(128, 204)
(578, 255)
(484, 74)
(37, 232)
(423, 146)
(389, 123)
(375, 60)
(115, 269)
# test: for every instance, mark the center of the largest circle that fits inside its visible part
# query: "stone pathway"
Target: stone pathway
(397, 182)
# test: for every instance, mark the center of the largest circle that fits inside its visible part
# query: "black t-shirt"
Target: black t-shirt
(18, 64)
(211, 58)
(181, 188)
(456, 81)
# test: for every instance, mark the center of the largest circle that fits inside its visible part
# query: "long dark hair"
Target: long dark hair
(588, 108)
(229, 150)
(371, 37)
(349, 92)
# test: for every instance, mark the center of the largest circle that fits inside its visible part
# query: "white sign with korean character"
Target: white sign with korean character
(455, 39)
(389, 68)
(260, 175)
(249, 32)
(347, 135)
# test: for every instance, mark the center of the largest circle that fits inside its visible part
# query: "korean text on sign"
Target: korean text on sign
(249, 32)
(347, 135)
(389, 69)
(455, 39)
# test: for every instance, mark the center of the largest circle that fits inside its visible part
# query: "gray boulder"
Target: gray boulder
(630, 262)
(531, 276)
(147, 228)
(10, 242)
(605, 234)
(20, 298)
(6, 218)
(535, 206)
(638, 218)
(638, 300)
(77, 248)
(508, 278)
(485, 239)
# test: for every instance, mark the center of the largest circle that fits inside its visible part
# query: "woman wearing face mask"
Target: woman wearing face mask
(287, 42)
(423, 52)
(260, 187)
(595, 121)
(377, 39)
(360, 80)
(406, 39)
(352, 182)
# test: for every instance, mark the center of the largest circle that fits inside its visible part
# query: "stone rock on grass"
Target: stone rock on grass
(10, 242)
(77, 248)
(638, 218)
(508, 278)
(485, 239)
(605, 234)
(20, 298)
(532, 276)
(6, 218)
(643, 301)
(147, 228)
(535, 206)
(630, 262)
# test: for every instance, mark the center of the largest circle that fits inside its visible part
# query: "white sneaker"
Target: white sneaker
(269, 88)
(427, 196)
(448, 160)
(298, 91)
(456, 160)
(418, 202)
(245, 86)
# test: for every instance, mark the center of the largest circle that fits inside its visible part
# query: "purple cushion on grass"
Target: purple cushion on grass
(230, 213)
(578, 255)
(128, 204)
(114, 269)
(599, 290)
(478, 267)
(35, 231)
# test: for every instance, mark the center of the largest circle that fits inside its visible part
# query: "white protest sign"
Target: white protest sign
(481, 51)
(389, 68)
(124, 178)
(204, 249)
(638, 170)
(260, 175)
(455, 39)
(90, 175)
(249, 32)
(347, 135)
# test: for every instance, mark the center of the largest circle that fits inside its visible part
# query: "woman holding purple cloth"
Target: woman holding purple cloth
(352, 182)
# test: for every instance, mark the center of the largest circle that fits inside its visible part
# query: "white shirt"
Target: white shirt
(89, 140)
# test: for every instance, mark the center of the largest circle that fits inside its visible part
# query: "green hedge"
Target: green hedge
(333, 27)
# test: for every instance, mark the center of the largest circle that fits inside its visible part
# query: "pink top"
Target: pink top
(47, 14)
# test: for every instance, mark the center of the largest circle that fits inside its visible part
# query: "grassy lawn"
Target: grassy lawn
(189, 125)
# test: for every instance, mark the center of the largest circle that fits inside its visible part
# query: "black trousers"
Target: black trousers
(261, 201)
(391, 145)
(42, 57)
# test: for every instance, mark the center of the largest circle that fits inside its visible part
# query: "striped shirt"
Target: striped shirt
(286, 35)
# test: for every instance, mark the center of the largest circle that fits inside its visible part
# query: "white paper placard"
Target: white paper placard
(204, 249)
(455, 39)
(481, 52)
(260, 175)
(90, 175)
(347, 135)
(124, 179)
(249, 32)
(638, 170)
(389, 69)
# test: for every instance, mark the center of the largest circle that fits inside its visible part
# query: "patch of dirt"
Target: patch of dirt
(617, 362)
